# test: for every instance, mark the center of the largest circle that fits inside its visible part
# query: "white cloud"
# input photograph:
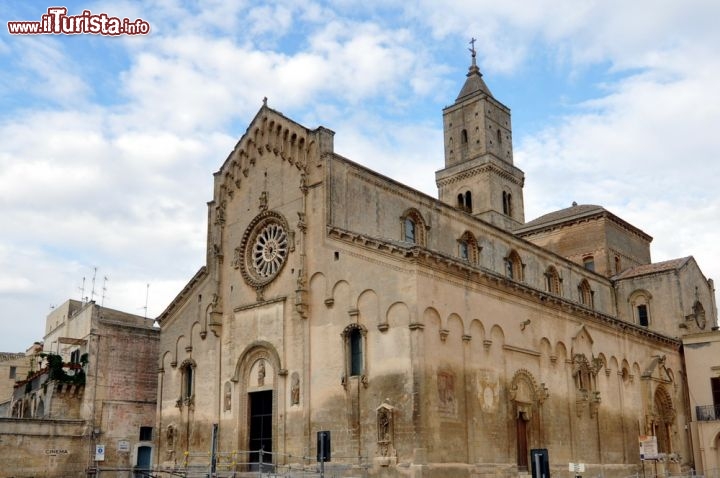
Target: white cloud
(48, 72)
(646, 151)
(123, 186)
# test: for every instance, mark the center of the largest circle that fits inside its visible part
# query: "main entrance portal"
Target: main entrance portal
(261, 406)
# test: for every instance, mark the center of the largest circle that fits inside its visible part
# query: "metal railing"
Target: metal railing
(712, 473)
(258, 464)
(706, 413)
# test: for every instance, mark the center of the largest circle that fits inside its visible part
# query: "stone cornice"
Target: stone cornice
(478, 170)
(478, 274)
(183, 295)
(255, 305)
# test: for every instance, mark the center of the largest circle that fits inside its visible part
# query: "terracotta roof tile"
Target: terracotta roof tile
(645, 269)
(573, 212)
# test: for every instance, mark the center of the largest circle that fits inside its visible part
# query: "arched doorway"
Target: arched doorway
(663, 420)
(526, 397)
(260, 433)
(256, 376)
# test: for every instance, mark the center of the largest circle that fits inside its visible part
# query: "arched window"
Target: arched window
(507, 203)
(413, 227)
(464, 201)
(618, 265)
(642, 315)
(499, 137)
(553, 280)
(187, 385)
(640, 307)
(463, 137)
(356, 352)
(514, 266)
(468, 247)
(463, 249)
(354, 346)
(410, 228)
(585, 293)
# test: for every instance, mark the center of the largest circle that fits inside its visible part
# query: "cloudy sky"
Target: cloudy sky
(108, 144)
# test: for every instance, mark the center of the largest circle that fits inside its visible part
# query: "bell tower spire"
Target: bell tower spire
(479, 176)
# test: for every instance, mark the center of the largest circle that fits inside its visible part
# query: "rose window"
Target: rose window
(265, 247)
(269, 250)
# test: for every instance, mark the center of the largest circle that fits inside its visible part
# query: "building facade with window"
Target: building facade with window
(702, 354)
(89, 403)
(431, 337)
(13, 367)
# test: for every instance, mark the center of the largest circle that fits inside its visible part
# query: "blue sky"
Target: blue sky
(108, 144)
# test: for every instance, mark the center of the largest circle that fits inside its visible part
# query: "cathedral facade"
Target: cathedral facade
(431, 337)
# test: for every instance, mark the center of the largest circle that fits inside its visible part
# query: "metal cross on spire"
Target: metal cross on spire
(472, 50)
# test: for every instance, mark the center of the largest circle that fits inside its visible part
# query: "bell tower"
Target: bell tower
(479, 176)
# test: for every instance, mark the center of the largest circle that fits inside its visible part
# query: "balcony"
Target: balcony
(707, 413)
(51, 367)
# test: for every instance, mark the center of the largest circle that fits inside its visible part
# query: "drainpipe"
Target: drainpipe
(94, 396)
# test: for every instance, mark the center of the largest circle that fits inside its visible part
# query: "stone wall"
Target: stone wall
(47, 448)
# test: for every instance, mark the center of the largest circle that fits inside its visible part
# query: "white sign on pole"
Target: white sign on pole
(648, 447)
(99, 452)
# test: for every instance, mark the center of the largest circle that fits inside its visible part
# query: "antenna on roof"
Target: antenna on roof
(82, 291)
(147, 294)
(92, 292)
(104, 290)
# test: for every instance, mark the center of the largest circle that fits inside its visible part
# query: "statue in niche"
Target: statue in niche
(383, 425)
(227, 396)
(446, 391)
(386, 452)
(220, 213)
(295, 389)
(261, 373)
(237, 257)
(170, 436)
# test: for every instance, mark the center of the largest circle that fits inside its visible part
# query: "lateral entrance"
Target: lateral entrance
(261, 406)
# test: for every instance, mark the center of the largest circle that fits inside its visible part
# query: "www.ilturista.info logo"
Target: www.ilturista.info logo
(57, 22)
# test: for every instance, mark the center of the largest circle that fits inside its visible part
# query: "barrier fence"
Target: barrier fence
(249, 464)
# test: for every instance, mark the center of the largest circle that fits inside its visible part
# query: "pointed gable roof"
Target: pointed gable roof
(474, 83)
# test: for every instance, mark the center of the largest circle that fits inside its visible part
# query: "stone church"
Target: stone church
(432, 337)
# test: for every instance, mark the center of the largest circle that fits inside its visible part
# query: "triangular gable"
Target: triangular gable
(269, 132)
(582, 343)
(657, 371)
